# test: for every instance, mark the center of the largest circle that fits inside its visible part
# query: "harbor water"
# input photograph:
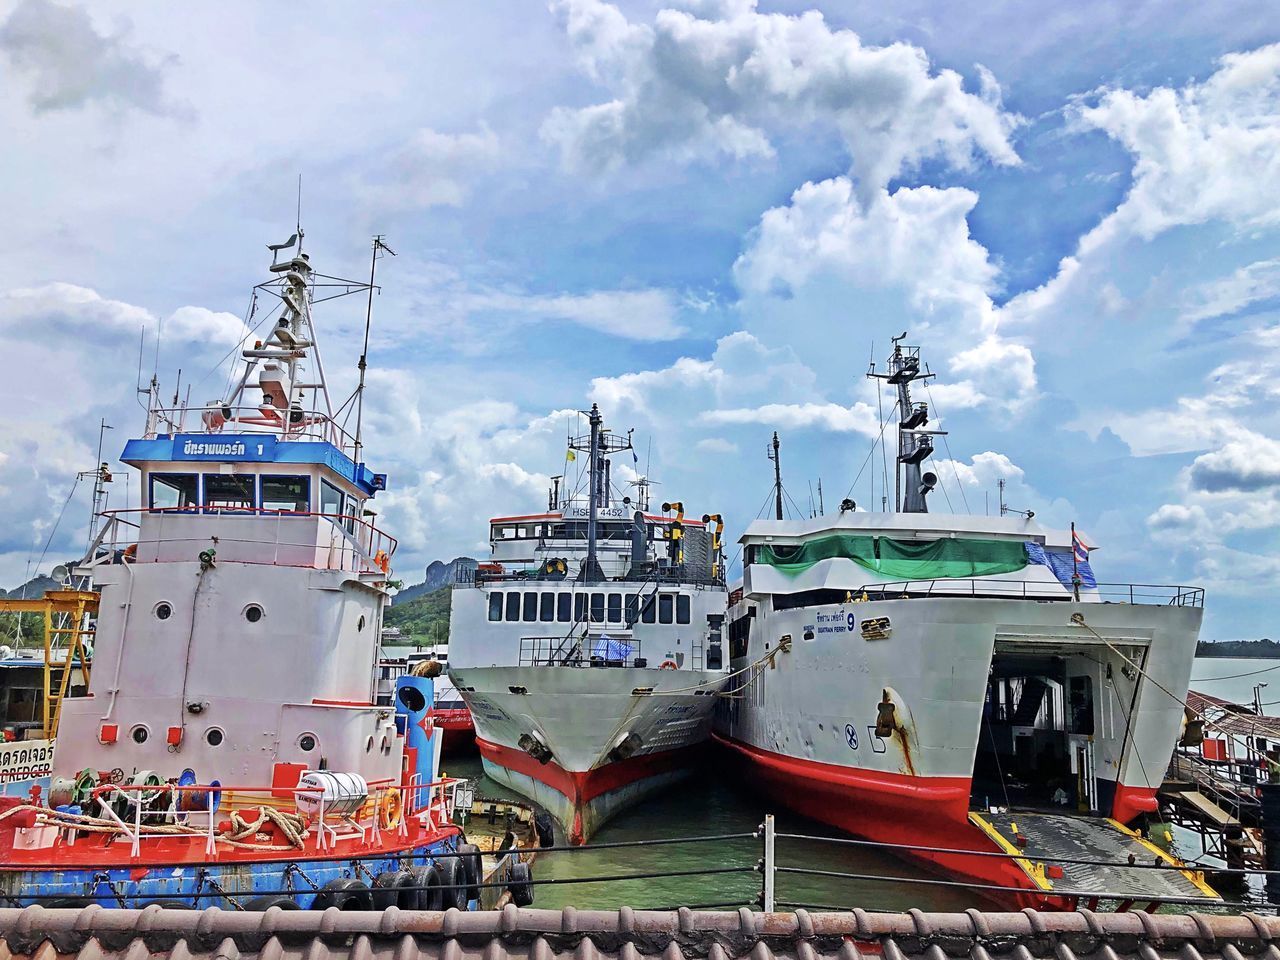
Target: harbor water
(715, 803)
(709, 804)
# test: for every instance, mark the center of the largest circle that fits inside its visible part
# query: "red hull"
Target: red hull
(580, 788)
(910, 812)
(459, 730)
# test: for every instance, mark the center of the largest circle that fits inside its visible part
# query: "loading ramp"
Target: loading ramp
(1050, 840)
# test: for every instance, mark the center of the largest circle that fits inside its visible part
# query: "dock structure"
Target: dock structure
(516, 934)
(1214, 785)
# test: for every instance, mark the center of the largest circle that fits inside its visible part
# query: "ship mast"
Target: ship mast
(598, 445)
(777, 475)
(915, 444)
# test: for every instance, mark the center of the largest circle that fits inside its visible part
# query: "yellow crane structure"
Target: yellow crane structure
(68, 643)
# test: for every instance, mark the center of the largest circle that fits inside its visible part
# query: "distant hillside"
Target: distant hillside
(32, 625)
(438, 574)
(422, 619)
(32, 589)
(1263, 649)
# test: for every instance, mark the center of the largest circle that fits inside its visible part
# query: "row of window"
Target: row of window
(547, 606)
(568, 530)
(225, 492)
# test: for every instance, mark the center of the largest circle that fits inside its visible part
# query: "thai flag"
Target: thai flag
(1079, 547)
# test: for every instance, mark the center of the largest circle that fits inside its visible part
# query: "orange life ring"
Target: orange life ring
(382, 560)
(668, 665)
(391, 809)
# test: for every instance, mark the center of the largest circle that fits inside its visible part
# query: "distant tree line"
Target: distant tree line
(1262, 649)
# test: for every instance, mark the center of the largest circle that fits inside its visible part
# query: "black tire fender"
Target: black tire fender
(269, 900)
(428, 880)
(453, 883)
(345, 894)
(518, 884)
(395, 888)
(472, 867)
(170, 904)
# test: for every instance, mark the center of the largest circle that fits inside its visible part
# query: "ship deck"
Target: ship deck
(1051, 839)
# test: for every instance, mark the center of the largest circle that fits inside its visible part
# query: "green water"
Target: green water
(709, 805)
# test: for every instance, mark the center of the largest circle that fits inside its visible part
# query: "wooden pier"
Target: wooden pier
(1214, 783)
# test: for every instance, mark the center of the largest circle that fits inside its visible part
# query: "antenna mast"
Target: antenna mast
(379, 243)
(915, 443)
(777, 475)
(598, 445)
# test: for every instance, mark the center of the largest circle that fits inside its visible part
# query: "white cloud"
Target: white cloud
(433, 169)
(859, 418)
(1258, 281)
(71, 356)
(688, 87)
(1206, 152)
(914, 241)
(1248, 464)
(716, 445)
(633, 314)
(70, 64)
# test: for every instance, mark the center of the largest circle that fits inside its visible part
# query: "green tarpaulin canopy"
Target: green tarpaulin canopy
(902, 559)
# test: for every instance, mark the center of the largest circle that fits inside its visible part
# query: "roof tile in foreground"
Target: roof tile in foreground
(95, 933)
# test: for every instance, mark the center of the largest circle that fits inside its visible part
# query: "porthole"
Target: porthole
(360, 622)
(368, 747)
(214, 737)
(163, 611)
(307, 742)
(253, 613)
(386, 746)
(140, 733)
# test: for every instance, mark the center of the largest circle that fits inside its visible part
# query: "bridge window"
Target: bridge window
(226, 491)
(633, 607)
(682, 608)
(564, 607)
(287, 494)
(352, 512)
(513, 606)
(547, 607)
(649, 612)
(174, 491)
(579, 607)
(330, 500)
(615, 608)
(530, 607)
(597, 608)
(666, 607)
(495, 606)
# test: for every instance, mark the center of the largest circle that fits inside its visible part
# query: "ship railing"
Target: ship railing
(431, 801)
(666, 576)
(299, 424)
(1148, 594)
(287, 538)
(577, 651)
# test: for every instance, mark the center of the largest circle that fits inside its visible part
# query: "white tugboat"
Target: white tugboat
(589, 648)
(229, 750)
(960, 683)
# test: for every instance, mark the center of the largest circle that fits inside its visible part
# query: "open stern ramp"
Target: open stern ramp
(1046, 840)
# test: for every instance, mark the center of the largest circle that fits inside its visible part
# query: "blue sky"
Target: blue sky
(707, 217)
